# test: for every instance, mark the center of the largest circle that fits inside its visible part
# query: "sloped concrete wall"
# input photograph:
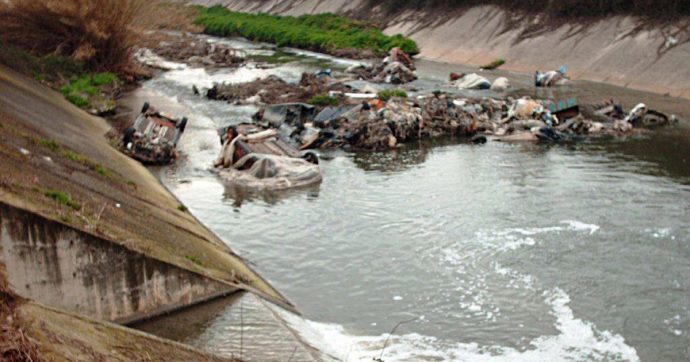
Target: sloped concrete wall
(68, 269)
(619, 50)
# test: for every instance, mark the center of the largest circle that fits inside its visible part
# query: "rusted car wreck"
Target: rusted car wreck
(152, 139)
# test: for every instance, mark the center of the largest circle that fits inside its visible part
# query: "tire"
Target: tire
(311, 157)
(182, 125)
(145, 107)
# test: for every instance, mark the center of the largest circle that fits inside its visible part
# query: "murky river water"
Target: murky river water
(498, 251)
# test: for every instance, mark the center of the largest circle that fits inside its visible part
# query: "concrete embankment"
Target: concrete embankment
(623, 51)
(89, 236)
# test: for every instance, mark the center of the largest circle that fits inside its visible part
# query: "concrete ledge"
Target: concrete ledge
(70, 269)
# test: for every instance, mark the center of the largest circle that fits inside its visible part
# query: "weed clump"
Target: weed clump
(49, 144)
(63, 198)
(194, 259)
(323, 100)
(82, 88)
(387, 94)
(321, 32)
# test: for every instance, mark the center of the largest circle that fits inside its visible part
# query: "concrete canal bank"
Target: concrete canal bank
(618, 50)
(86, 230)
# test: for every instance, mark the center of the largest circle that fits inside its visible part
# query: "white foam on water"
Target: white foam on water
(201, 78)
(336, 60)
(577, 340)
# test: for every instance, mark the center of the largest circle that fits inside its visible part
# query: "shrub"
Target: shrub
(96, 33)
(387, 94)
(321, 32)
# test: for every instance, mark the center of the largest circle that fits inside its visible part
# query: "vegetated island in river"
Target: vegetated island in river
(328, 33)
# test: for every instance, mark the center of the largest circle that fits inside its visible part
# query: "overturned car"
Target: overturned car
(259, 159)
(153, 137)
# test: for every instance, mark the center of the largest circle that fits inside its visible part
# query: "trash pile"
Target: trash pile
(273, 89)
(475, 81)
(396, 68)
(379, 125)
(191, 50)
(551, 78)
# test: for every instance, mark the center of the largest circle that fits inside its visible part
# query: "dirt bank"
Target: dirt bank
(619, 50)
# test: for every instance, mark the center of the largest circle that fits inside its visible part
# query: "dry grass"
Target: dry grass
(15, 345)
(99, 34)
(96, 33)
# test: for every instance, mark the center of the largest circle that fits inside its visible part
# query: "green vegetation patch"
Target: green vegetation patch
(63, 198)
(387, 94)
(81, 88)
(194, 260)
(48, 68)
(323, 100)
(321, 32)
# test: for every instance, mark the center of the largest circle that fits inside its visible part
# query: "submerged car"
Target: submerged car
(153, 137)
(259, 159)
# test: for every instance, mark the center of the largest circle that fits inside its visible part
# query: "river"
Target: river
(496, 252)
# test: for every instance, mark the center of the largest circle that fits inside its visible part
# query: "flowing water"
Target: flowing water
(486, 252)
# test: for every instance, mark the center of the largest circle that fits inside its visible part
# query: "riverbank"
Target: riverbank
(618, 50)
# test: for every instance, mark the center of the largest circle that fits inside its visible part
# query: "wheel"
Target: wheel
(311, 157)
(182, 125)
(145, 107)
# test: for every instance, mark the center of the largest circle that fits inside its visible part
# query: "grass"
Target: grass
(81, 88)
(323, 100)
(494, 64)
(49, 144)
(321, 32)
(387, 94)
(73, 156)
(63, 199)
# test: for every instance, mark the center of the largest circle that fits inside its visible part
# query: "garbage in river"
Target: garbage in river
(396, 68)
(378, 125)
(273, 89)
(469, 81)
(153, 137)
(551, 78)
(160, 49)
(257, 158)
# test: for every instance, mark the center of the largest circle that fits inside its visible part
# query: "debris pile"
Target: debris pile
(396, 68)
(273, 89)
(476, 81)
(378, 125)
(190, 50)
(551, 78)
